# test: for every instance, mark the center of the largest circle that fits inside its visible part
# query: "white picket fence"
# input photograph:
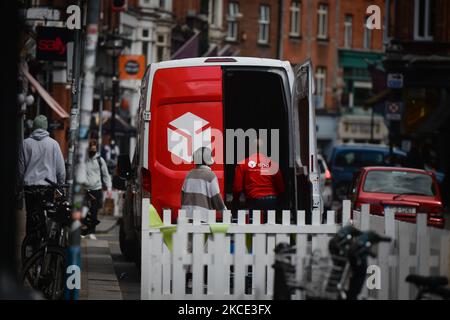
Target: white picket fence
(226, 256)
(415, 248)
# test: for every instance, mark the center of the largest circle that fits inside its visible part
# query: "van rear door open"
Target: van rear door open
(186, 111)
(305, 145)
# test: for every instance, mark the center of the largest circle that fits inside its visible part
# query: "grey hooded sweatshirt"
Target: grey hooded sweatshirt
(40, 158)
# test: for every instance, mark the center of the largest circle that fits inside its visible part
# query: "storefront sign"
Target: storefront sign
(51, 43)
(131, 67)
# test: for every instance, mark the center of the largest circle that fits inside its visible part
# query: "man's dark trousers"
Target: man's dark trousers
(96, 202)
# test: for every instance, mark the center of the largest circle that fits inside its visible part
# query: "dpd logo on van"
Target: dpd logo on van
(186, 134)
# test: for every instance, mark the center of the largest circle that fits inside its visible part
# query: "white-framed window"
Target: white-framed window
(367, 37)
(212, 17)
(348, 30)
(232, 21)
(423, 20)
(264, 24)
(162, 47)
(322, 21)
(146, 3)
(321, 78)
(296, 21)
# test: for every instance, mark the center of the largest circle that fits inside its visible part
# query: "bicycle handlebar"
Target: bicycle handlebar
(56, 185)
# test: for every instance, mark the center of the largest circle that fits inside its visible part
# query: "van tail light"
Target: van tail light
(146, 180)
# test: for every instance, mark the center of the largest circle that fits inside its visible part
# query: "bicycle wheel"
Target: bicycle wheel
(45, 272)
(30, 245)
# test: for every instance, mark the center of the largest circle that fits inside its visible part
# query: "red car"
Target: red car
(408, 191)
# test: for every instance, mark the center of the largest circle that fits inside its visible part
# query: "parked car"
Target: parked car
(346, 159)
(408, 191)
(325, 183)
(187, 99)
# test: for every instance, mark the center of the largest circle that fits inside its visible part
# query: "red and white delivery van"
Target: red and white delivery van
(191, 102)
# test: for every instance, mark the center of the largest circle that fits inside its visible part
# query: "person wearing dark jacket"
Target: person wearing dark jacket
(40, 158)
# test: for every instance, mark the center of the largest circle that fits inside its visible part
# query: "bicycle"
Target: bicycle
(44, 270)
(339, 276)
(430, 286)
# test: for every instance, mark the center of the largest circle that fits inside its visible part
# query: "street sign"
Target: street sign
(131, 67)
(51, 43)
(394, 110)
(395, 80)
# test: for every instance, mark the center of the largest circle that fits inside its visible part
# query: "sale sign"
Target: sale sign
(131, 67)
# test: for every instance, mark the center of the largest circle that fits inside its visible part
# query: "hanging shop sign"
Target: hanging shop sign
(51, 43)
(131, 67)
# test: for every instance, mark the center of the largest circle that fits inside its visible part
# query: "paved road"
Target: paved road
(127, 273)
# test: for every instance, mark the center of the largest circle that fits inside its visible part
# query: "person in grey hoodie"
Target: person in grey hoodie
(97, 178)
(40, 158)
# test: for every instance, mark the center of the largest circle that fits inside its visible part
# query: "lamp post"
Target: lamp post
(114, 48)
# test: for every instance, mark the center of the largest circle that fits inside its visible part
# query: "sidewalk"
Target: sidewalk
(98, 278)
(107, 222)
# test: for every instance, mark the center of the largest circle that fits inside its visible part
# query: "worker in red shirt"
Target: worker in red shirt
(261, 181)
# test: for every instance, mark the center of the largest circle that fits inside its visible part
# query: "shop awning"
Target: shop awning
(45, 95)
(189, 49)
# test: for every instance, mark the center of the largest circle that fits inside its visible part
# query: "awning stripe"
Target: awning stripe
(45, 95)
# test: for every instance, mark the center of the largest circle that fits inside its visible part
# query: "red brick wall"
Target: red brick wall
(249, 28)
(324, 53)
(182, 7)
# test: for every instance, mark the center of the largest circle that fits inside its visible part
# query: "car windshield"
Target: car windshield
(399, 182)
(359, 158)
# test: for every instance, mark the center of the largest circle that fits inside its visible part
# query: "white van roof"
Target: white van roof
(221, 61)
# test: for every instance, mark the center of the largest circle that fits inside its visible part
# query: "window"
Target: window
(424, 19)
(145, 51)
(233, 24)
(367, 41)
(162, 4)
(320, 86)
(264, 24)
(295, 19)
(322, 25)
(399, 182)
(348, 32)
(212, 12)
(162, 48)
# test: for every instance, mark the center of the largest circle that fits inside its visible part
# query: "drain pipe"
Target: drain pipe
(280, 43)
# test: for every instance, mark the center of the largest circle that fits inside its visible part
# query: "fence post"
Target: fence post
(239, 258)
(346, 212)
(179, 250)
(422, 245)
(384, 255)
(444, 252)
(198, 251)
(365, 217)
(404, 241)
